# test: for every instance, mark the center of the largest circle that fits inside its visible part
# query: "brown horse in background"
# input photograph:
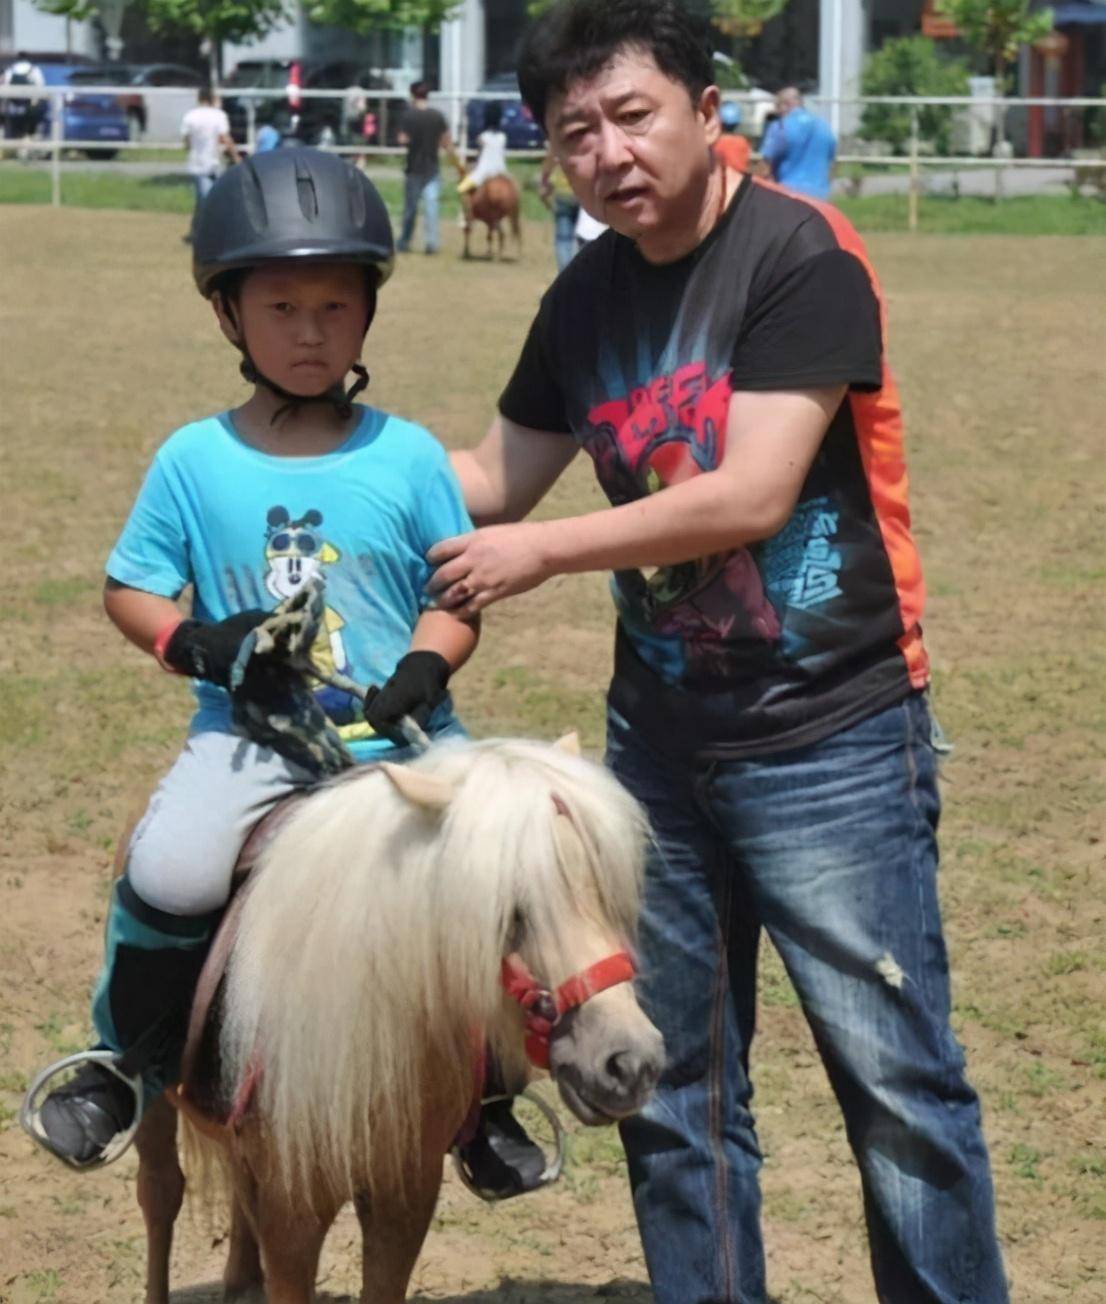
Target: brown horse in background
(493, 203)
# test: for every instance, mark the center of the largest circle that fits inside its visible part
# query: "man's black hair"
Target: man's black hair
(577, 38)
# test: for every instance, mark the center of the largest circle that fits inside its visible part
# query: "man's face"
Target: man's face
(635, 148)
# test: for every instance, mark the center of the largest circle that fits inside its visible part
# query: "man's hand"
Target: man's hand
(416, 687)
(486, 566)
(208, 651)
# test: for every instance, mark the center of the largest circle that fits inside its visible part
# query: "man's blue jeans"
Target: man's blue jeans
(427, 190)
(832, 849)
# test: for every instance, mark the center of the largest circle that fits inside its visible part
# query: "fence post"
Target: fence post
(251, 125)
(57, 112)
(912, 205)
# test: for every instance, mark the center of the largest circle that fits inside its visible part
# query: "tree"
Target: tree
(997, 28)
(910, 65)
(744, 19)
(374, 15)
(216, 21)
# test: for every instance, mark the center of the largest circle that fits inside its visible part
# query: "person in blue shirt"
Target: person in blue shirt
(799, 147)
(247, 506)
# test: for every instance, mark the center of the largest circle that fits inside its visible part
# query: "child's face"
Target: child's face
(304, 324)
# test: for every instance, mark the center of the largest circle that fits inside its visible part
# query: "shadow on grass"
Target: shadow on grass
(509, 1291)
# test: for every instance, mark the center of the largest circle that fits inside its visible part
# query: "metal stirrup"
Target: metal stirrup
(553, 1167)
(30, 1113)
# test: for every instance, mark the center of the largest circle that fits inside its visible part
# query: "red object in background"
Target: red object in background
(368, 127)
(295, 84)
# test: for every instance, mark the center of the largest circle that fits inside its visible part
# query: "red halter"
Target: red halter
(543, 1009)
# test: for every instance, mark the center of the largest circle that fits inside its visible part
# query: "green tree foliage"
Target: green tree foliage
(744, 18)
(79, 11)
(217, 20)
(997, 28)
(374, 15)
(910, 65)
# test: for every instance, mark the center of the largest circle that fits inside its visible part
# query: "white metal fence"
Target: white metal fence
(52, 139)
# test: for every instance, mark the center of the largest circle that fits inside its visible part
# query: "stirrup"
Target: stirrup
(553, 1167)
(30, 1112)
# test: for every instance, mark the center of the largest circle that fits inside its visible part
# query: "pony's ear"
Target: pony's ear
(430, 791)
(570, 743)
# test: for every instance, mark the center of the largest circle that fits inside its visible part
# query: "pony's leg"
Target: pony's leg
(393, 1228)
(291, 1234)
(160, 1192)
(242, 1273)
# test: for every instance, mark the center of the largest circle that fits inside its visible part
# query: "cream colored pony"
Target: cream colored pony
(367, 972)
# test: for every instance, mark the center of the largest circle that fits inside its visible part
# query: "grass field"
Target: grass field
(937, 214)
(998, 344)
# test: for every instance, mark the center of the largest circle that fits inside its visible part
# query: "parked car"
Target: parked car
(86, 118)
(157, 117)
(518, 122)
(314, 120)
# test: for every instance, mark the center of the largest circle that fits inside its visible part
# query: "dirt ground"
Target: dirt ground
(999, 345)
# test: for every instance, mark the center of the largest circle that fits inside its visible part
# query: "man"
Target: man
(799, 148)
(718, 355)
(22, 117)
(206, 133)
(424, 131)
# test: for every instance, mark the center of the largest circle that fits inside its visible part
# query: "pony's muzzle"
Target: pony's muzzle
(604, 1077)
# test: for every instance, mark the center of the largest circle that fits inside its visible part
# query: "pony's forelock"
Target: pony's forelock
(376, 928)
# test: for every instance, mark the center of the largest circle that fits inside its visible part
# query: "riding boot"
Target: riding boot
(501, 1160)
(152, 961)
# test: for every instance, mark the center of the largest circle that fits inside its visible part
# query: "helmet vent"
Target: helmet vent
(253, 198)
(357, 209)
(306, 193)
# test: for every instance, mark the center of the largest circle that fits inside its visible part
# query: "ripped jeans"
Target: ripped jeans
(832, 849)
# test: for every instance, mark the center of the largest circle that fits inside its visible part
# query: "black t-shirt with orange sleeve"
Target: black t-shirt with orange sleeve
(784, 642)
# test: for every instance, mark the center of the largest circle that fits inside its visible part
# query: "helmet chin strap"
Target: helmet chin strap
(340, 398)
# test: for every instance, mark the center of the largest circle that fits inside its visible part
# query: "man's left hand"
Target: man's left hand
(474, 570)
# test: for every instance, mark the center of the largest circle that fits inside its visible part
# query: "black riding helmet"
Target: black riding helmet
(287, 204)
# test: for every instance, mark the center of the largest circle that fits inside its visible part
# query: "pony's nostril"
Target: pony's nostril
(623, 1067)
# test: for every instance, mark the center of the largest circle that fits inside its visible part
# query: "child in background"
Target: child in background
(492, 161)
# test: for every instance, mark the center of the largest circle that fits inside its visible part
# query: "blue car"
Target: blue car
(518, 122)
(93, 122)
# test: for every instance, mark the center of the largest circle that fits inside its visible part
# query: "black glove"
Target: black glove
(207, 651)
(415, 689)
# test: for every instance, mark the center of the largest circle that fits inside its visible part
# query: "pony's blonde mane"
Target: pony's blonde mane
(375, 929)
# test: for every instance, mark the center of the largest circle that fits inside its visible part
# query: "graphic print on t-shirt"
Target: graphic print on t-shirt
(662, 434)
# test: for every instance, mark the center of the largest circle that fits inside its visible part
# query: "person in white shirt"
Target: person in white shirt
(22, 117)
(492, 160)
(206, 132)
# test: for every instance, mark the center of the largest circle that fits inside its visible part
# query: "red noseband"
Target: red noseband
(543, 1009)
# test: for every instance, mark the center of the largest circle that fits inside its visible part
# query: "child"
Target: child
(291, 248)
(492, 160)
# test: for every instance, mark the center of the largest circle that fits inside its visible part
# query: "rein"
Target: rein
(543, 1009)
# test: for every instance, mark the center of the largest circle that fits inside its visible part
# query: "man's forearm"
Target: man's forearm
(712, 513)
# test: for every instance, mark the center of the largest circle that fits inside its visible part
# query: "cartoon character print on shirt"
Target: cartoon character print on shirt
(295, 552)
(662, 434)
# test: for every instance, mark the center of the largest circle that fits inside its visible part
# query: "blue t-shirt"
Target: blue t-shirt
(246, 529)
(801, 150)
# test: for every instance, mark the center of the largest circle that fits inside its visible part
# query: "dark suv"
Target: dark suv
(315, 119)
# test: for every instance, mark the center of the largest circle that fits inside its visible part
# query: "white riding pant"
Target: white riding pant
(184, 849)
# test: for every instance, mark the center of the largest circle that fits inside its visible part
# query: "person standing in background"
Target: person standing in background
(206, 132)
(557, 195)
(800, 148)
(732, 147)
(22, 117)
(424, 132)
